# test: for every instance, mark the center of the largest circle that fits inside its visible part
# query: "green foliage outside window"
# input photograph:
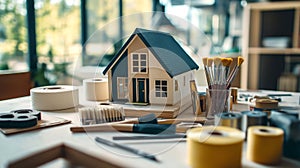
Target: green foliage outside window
(58, 33)
(13, 44)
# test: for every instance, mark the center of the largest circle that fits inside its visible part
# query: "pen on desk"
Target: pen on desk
(279, 94)
(142, 137)
(126, 148)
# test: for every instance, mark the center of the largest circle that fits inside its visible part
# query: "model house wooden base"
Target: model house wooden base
(150, 68)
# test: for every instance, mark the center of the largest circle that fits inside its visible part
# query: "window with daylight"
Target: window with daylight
(13, 37)
(139, 62)
(122, 87)
(161, 88)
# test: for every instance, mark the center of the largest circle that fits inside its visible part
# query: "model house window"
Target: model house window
(122, 87)
(139, 62)
(161, 88)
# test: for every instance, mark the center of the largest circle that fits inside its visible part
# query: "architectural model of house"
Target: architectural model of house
(150, 68)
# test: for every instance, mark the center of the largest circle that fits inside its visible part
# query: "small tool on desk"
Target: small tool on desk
(127, 148)
(146, 119)
(145, 137)
(137, 128)
(144, 124)
(28, 111)
(23, 118)
(279, 94)
(198, 99)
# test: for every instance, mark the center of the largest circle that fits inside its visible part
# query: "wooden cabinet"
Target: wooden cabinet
(270, 38)
(14, 84)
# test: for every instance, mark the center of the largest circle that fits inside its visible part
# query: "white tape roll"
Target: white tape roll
(212, 146)
(96, 89)
(55, 97)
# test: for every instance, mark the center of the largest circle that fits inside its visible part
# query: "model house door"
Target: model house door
(140, 90)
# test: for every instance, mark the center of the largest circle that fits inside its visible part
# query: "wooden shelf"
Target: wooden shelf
(264, 65)
(274, 5)
(259, 50)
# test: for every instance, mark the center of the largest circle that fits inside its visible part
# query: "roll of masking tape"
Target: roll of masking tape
(212, 146)
(233, 120)
(96, 89)
(57, 97)
(251, 118)
(264, 144)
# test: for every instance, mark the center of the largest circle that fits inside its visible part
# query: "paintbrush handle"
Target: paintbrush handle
(208, 79)
(146, 137)
(231, 76)
(103, 128)
(179, 120)
(137, 128)
(182, 129)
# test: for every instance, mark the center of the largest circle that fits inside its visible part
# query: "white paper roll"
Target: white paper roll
(96, 89)
(55, 97)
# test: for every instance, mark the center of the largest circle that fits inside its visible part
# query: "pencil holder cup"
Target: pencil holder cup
(218, 101)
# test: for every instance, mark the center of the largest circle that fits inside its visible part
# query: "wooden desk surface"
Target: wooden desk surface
(170, 153)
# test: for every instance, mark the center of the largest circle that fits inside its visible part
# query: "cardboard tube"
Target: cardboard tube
(96, 89)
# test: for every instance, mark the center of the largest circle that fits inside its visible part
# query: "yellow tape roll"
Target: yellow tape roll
(264, 144)
(212, 146)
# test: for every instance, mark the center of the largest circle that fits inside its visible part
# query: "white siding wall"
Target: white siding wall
(157, 72)
(183, 92)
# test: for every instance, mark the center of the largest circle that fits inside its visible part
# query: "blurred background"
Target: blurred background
(47, 42)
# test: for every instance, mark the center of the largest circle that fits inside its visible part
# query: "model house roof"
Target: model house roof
(165, 49)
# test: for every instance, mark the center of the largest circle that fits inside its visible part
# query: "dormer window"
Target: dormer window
(139, 63)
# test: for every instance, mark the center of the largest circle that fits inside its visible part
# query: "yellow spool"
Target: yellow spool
(211, 147)
(264, 144)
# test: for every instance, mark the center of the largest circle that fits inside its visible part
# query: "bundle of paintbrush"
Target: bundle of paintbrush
(219, 78)
(218, 73)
